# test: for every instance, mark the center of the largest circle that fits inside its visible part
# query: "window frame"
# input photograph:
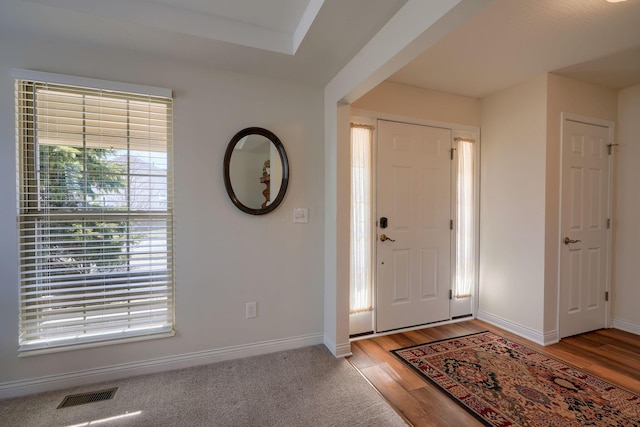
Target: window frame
(29, 206)
(361, 318)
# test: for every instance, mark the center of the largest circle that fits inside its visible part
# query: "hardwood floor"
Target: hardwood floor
(608, 353)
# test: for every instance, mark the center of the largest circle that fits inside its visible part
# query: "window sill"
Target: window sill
(26, 351)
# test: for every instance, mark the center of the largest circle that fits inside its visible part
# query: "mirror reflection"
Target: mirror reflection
(256, 170)
(251, 172)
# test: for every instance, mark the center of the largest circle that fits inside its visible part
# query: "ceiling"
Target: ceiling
(233, 35)
(309, 41)
(511, 41)
(276, 25)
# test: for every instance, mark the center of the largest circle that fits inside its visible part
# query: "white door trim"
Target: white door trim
(458, 130)
(611, 127)
(455, 127)
(460, 307)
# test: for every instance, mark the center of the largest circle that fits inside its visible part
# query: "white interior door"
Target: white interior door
(584, 227)
(413, 262)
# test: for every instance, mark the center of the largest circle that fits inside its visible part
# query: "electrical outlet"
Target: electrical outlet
(251, 310)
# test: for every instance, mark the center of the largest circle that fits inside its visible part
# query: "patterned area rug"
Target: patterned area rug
(503, 383)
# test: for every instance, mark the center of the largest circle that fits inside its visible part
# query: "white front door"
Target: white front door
(584, 227)
(414, 249)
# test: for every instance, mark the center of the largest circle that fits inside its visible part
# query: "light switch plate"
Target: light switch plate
(300, 215)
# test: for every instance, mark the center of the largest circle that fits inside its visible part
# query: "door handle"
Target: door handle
(568, 240)
(383, 238)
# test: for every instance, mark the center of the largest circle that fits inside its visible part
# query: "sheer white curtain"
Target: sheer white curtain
(465, 230)
(361, 217)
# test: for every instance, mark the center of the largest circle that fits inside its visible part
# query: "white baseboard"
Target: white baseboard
(341, 350)
(625, 325)
(551, 337)
(538, 337)
(113, 372)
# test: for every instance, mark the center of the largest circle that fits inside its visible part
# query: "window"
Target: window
(361, 282)
(94, 211)
(361, 243)
(465, 270)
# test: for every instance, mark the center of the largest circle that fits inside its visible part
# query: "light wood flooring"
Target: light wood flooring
(608, 353)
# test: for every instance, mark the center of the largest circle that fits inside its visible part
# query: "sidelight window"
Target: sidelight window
(361, 219)
(465, 259)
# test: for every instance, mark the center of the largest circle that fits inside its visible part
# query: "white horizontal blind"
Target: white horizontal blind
(95, 214)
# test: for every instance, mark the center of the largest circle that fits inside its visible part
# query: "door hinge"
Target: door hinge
(450, 224)
(452, 150)
(450, 293)
(610, 148)
(606, 296)
(608, 222)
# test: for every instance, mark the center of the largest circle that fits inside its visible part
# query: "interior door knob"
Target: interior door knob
(383, 238)
(568, 240)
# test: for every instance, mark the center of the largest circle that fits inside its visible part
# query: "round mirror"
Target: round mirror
(256, 170)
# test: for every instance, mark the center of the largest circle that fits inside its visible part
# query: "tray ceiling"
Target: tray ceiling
(310, 41)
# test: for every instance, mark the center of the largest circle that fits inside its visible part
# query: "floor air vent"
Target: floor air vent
(90, 397)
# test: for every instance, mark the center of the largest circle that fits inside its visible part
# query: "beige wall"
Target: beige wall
(626, 246)
(422, 104)
(565, 96)
(512, 200)
(213, 239)
(520, 179)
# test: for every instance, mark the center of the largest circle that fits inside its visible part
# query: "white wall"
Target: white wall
(512, 208)
(521, 137)
(213, 239)
(626, 246)
(520, 198)
(422, 104)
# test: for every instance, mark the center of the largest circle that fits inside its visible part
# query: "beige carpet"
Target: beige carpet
(302, 387)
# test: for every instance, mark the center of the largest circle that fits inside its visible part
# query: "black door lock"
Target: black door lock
(383, 222)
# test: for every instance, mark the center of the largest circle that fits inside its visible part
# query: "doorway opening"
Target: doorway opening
(414, 233)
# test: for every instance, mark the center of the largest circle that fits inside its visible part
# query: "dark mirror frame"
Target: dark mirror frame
(285, 170)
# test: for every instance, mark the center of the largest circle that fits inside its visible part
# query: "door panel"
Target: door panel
(585, 198)
(575, 279)
(429, 274)
(401, 266)
(401, 209)
(414, 193)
